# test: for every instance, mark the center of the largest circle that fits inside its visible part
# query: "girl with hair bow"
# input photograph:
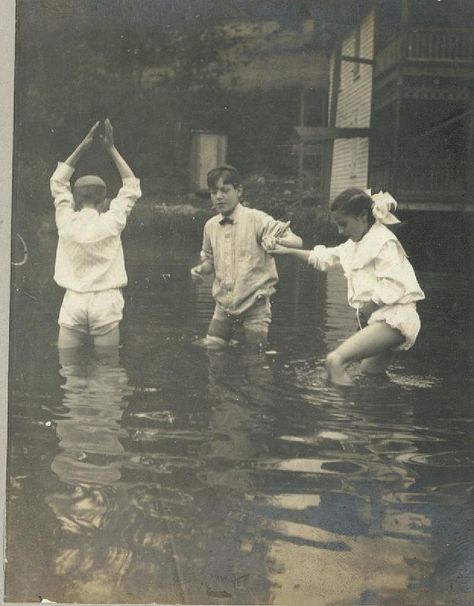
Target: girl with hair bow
(382, 286)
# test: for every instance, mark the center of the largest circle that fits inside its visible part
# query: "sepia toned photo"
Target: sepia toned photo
(240, 350)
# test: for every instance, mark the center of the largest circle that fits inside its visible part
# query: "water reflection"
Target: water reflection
(191, 469)
(94, 390)
(86, 501)
(175, 475)
(241, 420)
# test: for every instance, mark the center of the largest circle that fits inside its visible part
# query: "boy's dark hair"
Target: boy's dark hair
(89, 194)
(354, 201)
(229, 174)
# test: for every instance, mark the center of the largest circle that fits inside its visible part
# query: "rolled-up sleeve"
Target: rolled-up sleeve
(268, 227)
(120, 207)
(207, 253)
(61, 192)
(389, 270)
(323, 258)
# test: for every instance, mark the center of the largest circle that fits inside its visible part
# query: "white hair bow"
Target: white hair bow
(382, 204)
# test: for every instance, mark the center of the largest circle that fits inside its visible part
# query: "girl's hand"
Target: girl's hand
(107, 138)
(86, 143)
(268, 243)
(278, 249)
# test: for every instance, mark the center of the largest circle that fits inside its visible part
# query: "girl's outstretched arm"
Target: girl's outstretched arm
(290, 240)
(303, 255)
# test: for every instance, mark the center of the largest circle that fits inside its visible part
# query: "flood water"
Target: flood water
(175, 475)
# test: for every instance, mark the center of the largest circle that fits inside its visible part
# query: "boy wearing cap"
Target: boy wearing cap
(89, 256)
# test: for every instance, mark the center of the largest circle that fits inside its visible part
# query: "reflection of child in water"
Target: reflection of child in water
(89, 433)
(382, 285)
(88, 466)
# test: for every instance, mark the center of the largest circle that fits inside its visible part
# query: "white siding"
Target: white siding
(351, 156)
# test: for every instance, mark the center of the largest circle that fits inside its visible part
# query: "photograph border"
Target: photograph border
(7, 79)
(7, 70)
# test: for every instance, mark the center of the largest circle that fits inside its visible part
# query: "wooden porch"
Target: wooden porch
(422, 90)
(424, 184)
(428, 63)
(427, 47)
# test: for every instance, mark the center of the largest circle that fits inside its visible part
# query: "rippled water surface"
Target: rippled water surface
(170, 474)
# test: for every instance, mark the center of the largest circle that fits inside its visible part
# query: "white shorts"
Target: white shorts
(94, 313)
(404, 318)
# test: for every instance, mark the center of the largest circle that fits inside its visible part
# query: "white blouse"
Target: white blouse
(376, 268)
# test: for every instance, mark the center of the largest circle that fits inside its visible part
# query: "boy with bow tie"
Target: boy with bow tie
(236, 247)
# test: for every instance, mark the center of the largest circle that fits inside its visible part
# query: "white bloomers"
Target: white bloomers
(402, 317)
(94, 313)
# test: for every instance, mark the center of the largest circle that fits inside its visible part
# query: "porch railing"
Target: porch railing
(427, 45)
(441, 45)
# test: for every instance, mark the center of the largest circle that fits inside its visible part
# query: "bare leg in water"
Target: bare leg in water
(70, 338)
(110, 339)
(375, 340)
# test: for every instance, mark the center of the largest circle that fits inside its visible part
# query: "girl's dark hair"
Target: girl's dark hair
(354, 201)
(229, 174)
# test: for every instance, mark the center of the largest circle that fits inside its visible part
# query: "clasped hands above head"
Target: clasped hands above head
(107, 138)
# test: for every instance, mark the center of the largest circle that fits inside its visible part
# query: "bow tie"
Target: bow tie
(225, 220)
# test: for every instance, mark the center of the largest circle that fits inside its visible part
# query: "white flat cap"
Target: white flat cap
(89, 180)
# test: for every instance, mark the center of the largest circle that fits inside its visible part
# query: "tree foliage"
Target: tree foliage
(156, 78)
(157, 68)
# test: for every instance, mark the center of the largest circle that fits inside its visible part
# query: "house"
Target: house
(401, 104)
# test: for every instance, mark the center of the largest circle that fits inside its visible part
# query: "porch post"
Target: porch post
(301, 149)
(394, 174)
(396, 144)
(332, 117)
(470, 153)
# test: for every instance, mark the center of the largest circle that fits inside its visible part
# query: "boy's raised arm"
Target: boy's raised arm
(59, 182)
(83, 146)
(120, 207)
(108, 141)
(60, 178)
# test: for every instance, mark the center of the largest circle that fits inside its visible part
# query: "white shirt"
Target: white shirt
(243, 269)
(376, 268)
(89, 256)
